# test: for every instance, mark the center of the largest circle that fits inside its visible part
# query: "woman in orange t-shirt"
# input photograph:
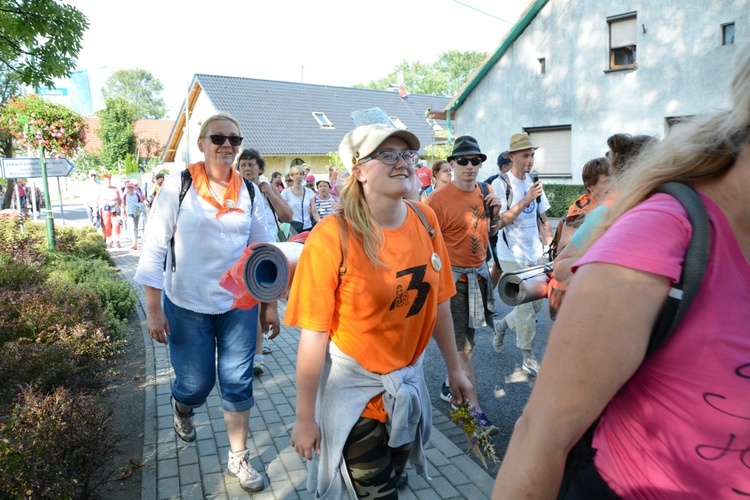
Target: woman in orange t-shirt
(364, 332)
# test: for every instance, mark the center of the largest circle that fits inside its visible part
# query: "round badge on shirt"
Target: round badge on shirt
(437, 264)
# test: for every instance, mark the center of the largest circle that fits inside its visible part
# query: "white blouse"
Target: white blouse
(205, 246)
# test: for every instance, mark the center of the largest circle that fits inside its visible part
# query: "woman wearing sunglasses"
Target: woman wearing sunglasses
(367, 314)
(216, 218)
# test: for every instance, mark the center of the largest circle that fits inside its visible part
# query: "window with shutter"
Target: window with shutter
(623, 35)
(553, 158)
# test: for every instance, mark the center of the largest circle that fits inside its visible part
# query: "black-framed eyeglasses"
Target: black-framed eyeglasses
(391, 157)
(218, 139)
(465, 161)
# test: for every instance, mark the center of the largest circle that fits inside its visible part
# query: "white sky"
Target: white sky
(337, 42)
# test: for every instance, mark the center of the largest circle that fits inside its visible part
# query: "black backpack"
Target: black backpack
(187, 181)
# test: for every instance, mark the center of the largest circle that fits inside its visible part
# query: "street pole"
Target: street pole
(50, 216)
(59, 197)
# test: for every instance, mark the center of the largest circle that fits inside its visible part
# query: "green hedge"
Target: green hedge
(561, 196)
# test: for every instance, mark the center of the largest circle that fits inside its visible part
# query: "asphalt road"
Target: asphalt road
(73, 212)
(503, 386)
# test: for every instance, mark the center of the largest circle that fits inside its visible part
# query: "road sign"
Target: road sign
(21, 168)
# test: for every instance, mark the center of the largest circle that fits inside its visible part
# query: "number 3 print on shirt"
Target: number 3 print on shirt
(401, 297)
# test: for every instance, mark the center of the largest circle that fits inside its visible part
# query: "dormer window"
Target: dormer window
(397, 123)
(322, 120)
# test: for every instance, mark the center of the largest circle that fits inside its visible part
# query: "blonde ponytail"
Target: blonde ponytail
(364, 226)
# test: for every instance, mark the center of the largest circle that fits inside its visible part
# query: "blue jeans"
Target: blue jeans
(198, 341)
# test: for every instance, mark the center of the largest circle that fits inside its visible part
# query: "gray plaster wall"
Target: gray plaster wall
(682, 70)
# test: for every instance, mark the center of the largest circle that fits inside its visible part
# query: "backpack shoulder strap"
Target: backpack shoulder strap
(696, 258)
(251, 191)
(422, 217)
(344, 242)
(485, 191)
(187, 181)
(508, 199)
(508, 190)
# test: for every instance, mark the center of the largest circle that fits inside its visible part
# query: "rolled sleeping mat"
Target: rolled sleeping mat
(270, 268)
(524, 285)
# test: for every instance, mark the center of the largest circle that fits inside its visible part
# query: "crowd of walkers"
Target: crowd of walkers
(400, 253)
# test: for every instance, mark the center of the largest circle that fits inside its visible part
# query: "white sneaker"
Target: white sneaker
(239, 467)
(266, 349)
(531, 366)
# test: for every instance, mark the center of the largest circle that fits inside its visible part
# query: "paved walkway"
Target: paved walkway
(175, 469)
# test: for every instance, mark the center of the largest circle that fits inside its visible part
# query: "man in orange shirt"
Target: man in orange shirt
(467, 220)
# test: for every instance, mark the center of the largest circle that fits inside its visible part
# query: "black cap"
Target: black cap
(503, 159)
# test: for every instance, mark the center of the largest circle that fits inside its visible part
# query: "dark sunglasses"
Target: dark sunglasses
(465, 161)
(218, 139)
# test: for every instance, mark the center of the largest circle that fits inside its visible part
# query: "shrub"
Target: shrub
(15, 275)
(85, 243)
(561, 196)
(53, 445)
(27, 363)
(38, 309)
(117, 298)
(67, 356)
(21, 241)
(27, 242)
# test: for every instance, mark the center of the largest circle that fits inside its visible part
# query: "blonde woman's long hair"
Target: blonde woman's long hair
(696, 150)
(357, 213)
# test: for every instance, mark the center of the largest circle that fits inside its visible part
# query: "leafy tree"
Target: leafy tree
(140, 88)
(438, 151)
(85, 162)
(152, 150)
(10, 86)
(444, 77)
(40, 40)
(335, 159)
(131, 165)
(151, 165)
(116, 131)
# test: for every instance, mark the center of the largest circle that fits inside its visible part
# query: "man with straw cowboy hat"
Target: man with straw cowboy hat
(525, 232)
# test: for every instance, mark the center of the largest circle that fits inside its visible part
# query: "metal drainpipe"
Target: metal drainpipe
(450, 129)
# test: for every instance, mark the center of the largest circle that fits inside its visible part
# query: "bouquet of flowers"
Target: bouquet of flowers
(473, 423)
